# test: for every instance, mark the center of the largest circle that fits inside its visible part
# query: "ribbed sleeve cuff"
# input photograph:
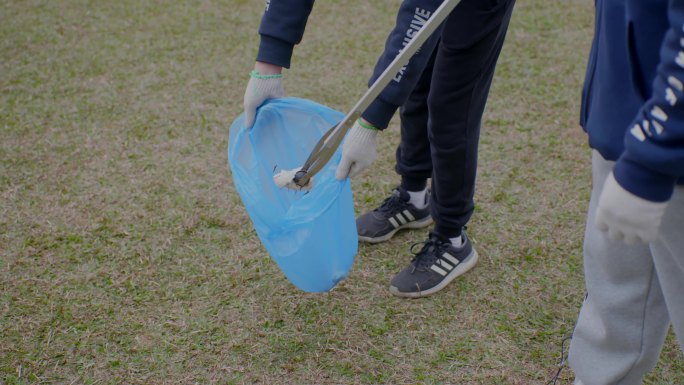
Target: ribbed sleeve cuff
(643, 182)
(275, 51)
(379, 113)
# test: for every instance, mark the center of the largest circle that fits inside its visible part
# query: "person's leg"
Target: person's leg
(401, 210)
(623, 321)
(472, 39)
(414, 163)
(668, 256)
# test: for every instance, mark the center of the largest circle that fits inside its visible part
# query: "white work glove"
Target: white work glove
(259, 89)
(358, 151)
(624, 215)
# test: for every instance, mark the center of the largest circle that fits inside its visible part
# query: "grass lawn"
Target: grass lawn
(126, 255)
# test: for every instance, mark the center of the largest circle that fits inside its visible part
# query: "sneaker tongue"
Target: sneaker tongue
(426, 260)
(428, 255)
(401, 193)
(437, 237)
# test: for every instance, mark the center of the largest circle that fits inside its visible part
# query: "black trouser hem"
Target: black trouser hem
(413, 184)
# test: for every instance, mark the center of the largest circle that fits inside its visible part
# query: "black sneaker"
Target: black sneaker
(394, 214)
(437, 264)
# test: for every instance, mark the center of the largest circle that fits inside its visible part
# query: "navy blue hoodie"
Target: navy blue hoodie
(633, 97)
(282, 27)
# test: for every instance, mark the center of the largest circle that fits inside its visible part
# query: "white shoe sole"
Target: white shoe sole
(410, 225)
(461, 269)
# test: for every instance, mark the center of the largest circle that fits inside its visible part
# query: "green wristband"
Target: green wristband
(255, 74)
(366, 125)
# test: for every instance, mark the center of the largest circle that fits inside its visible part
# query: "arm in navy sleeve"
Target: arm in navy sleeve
(654, 144)
(411, 17)
(282, 26)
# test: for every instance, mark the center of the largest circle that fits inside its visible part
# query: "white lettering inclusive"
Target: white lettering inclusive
(676, 83)
(659, 114)
(670, 96)
(637, 133)
(420, 17)
(646, 127)
(659, 127)
(680, 59)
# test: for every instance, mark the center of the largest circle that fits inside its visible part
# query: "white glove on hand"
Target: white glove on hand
(259, 89)
(626, 216)
(358, 151)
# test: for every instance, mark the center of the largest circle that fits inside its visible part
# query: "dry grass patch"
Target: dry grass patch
(126, 255)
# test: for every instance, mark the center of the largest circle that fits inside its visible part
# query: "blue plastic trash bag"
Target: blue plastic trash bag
(311, 236)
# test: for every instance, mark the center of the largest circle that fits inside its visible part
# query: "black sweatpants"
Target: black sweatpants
(440, 122)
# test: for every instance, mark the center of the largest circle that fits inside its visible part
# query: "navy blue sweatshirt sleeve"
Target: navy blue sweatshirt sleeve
(411, 17)
(282, 26)
(653, 159)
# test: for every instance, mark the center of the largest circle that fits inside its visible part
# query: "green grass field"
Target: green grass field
(126, 255)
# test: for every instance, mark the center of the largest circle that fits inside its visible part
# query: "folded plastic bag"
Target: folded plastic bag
(311, 235)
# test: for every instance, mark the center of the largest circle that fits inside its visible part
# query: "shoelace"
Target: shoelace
(427, 255)
(393, 204)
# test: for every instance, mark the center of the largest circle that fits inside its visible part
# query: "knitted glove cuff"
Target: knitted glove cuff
(366, 125)
(257, 75)
(361, 135)
(261, 87)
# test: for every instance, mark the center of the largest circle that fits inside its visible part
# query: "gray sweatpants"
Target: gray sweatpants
(634, 292)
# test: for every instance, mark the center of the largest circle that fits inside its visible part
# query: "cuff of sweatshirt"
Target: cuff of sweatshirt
(642, 181)
(275, 51)
(379, 113)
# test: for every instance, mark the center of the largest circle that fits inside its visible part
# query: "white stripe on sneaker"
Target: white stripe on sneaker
(438, 270)
(408, 215)
(450, 258)
(393, 222)
(445, 264)
(401, 218)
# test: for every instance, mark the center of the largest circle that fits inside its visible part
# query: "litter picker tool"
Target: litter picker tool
(328, 144)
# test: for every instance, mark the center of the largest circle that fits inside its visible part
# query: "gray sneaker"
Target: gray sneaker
(434, 266)
(395, 213)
